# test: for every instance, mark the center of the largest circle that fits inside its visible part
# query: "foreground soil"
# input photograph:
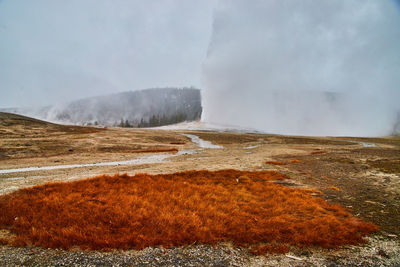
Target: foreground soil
(361, 174)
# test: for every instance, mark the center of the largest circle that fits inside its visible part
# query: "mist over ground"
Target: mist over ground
(305, 67)
(142, 108)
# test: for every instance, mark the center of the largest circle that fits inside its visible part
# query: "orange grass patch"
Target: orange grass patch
(334, 188)
(295, 161)
(271, 162)
(134, 212)
(318, 152)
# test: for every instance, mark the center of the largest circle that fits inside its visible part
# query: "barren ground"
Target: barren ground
(348, 171)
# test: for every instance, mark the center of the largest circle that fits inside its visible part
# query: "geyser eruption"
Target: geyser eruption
(305, 67)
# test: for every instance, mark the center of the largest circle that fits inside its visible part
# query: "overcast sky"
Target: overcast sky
(55, 51)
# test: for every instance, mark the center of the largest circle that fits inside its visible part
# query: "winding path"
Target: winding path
(142, 160)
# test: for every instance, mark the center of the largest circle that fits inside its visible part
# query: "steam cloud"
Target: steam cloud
(305, 67)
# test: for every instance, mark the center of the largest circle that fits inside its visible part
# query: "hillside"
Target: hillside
(144, 108)
(10, 119)
(15, 125)
(22, 136)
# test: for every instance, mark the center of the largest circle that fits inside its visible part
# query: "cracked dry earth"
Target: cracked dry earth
(363, 178)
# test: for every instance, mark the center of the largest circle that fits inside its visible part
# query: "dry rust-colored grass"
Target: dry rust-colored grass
(317, 152)
(272, 162)
(334, 188)
(122, 211)
(276, 162)
(177, 143)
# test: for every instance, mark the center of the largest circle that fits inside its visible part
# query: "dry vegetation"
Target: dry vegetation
(317, 152)
(122, 211)
(25, 138)
(367, 179)
(278, 162)
(272, 162)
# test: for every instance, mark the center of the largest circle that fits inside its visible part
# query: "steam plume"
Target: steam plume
(305, 67)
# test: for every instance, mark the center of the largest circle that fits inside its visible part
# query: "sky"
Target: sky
(55, 51)
(310, 67)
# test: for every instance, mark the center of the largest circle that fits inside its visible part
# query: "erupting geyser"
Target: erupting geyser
(305, 67)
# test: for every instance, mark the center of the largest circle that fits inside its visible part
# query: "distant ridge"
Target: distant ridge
(12, 125)
(143, 108)
(10, 119)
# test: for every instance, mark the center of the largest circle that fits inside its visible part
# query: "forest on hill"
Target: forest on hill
(143, 108)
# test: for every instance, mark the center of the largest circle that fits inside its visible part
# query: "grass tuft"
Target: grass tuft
(334, 188)
(317, 152)
(272, 162)
(135, 212)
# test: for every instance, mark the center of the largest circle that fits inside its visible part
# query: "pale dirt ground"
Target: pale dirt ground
(368, 179)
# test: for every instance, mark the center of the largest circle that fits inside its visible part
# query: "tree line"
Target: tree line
(157, 120)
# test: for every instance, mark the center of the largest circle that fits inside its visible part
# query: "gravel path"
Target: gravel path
(378, 252)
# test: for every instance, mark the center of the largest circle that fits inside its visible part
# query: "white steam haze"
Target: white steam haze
(54, 51)
(310, 67)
